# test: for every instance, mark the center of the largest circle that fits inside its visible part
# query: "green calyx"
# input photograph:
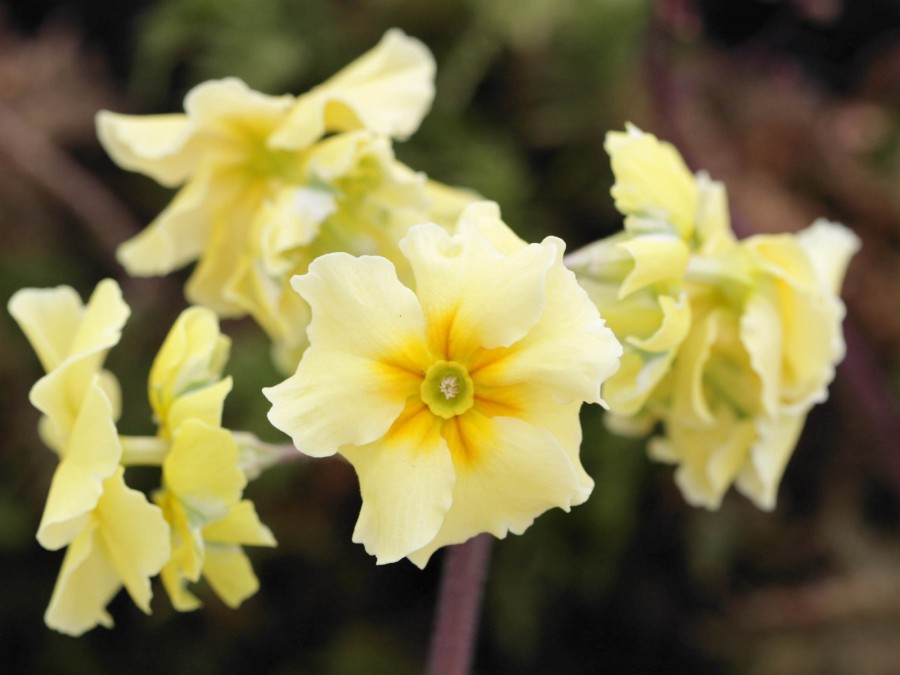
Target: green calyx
(447, 389)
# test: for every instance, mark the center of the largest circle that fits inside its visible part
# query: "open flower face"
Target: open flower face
(457, 402)
(235, 148)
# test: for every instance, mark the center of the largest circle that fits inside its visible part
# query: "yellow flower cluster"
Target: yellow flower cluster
(115, 536)
(456, 399)
(270, 183)
(727, 343)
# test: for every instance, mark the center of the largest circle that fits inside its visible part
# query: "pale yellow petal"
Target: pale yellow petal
(657, 258)
(155, 145)
(387, 90)
(49, 318)
(59, 394)
(86, 584)
(175, 584)
(472, 294)
(230, 574)
(359, 307)
(240, 526)
(829, 247)
(769, 455)
(406, 480)
(569, 351)
(761, 335)
(514, 472)
(204, 404)
(689, 400)
(652, 180)
(201, 470)
(713, 231)
(229, 107)
(91, 456)
(178, 235)
(337, 398)
(135, 537)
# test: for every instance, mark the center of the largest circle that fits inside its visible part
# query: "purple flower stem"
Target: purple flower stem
(459, 607)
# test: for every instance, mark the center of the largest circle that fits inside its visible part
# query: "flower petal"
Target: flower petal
(201, 470)
(760, 477)
(155, 145)
(829, 247)
(517, 472)
(87, 582)
(657, 258)
(761, 335)
(49, 318)
(652, 180)
(472, 294)
(406, 480)
(91, 456)
(387, 90)
(230, 574)
(135, 537)
(178, 235)
(240, 526)
(569, 350)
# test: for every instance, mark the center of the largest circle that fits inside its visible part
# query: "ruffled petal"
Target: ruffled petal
(775, 441)
(49, 319)
(135, 537)
(829, 247)
(406, 480)
(652, 180)
(91, 456)
(87, 582)
(508, 472)
(657, 258)
(761, 335)
(387, 90)
(473, 295)
(569, 351)
(154, 145)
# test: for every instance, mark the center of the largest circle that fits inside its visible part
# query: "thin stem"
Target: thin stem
(143, 450)
(459, 607)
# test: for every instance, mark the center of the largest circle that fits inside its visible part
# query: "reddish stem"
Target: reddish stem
(459, 607)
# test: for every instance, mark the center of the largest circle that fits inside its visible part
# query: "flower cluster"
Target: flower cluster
(270, 183)
(728, 343)
(115, 536)
(456, 400)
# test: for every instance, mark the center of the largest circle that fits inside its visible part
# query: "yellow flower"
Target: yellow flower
(727, 343)
(201, 499)
(202, 475)
(234, 149)
(186, 377)
(457, 403)
(124, 541)
(78, 399)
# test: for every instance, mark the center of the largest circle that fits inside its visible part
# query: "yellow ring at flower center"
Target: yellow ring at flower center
(447, 389)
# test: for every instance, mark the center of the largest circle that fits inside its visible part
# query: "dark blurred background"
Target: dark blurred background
(794, 104)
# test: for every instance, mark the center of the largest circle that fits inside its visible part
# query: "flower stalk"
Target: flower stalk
(459, 607)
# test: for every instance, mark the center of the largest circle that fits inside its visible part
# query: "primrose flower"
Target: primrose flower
(234, 149)
(202, 476)
(727, 343)
(455, 400)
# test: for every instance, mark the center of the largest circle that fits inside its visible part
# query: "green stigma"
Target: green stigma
(447, 389)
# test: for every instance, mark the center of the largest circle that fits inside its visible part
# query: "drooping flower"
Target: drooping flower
(115, 537)
(455, 400)
(727, 343)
